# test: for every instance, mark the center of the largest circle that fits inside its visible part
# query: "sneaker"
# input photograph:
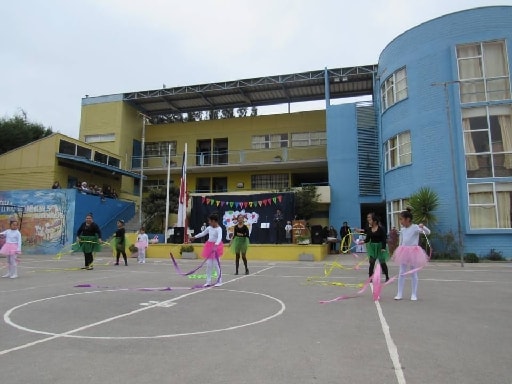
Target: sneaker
(218, 283)
(140, 262)
(6, 275)
(246, 271)
(116, 264)
(143, 261)
(207, 285)
(398, 297)
(13, 276)
(89, 268)
(83, 268)
(414, 298)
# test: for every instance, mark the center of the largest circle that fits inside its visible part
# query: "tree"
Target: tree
(18, 131)
(153, 207)
(423, 203)
(306, 201)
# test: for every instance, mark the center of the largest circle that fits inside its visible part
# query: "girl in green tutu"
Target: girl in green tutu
(88, 240)
(240, 243)
(376, 242)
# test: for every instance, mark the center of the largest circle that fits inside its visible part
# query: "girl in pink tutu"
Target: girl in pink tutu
(213, 248)
(11, 248)
(142, 244)
(409, 254)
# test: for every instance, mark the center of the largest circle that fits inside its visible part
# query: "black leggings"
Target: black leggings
(383, 266)
(118, 255)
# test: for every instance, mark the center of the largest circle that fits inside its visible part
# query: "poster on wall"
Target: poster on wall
(260, 212)
(46, 218)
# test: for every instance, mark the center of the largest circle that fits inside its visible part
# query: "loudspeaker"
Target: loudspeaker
(316, 234)
(179, 235)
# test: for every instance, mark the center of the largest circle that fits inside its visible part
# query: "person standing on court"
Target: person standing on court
(278, 227)
(376, 241)
(409, 254)
(11, 248)
(240, 243)
(213, 248)
(345, 238)
(88, 240)
(120, 242)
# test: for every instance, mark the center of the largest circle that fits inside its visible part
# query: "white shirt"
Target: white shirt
(214, 234)
(411, 234)
(12, 236)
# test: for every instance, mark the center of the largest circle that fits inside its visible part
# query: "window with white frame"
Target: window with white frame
(279, 140)
(159, 148)
(488, 141)
(489, 205)
(483, 72)
(397, 151)
(393, 210)
(100, 138)
(270, 181)
(394, 89)
(307, 139)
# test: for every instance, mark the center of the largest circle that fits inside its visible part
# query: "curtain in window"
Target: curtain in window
(483, 216)
(503, 209)
(506, 136)
(471, 161)
(470, 68)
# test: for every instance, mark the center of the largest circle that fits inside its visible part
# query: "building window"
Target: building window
(152, 184)
(489, 205)
(394, 208)
(307, 139)
(100, 138)
(270, 181)
(394, 89)
(483, 72)
(270, 141)
(73, 149)
(398, 151)
(488, 141)
(160, 148)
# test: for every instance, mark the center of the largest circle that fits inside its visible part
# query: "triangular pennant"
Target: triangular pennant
(280, 198)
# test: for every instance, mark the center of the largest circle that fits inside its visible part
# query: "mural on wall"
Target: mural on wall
(46, 218)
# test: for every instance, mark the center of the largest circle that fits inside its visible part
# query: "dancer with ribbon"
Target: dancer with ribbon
(409, 254)
(11, 248)
(240, 243)
(88, 240)
(213, 249)
(376, 242)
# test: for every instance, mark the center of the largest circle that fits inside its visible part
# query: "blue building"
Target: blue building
(442, 118)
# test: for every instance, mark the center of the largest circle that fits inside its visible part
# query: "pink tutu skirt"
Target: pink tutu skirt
(141, 244)
(412, 255)
(208, 252)
(9, 249)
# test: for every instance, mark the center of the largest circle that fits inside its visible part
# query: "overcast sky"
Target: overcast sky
(54, 52)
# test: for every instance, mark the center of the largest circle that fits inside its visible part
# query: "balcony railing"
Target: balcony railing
(276, 158)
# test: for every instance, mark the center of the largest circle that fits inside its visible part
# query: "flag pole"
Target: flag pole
(166, 223)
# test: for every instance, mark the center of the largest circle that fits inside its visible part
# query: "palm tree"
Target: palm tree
(423, 203)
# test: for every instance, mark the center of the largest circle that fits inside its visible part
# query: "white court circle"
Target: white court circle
(8, 320)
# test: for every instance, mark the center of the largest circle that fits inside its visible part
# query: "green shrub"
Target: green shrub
(494, 255)
(186, 248)
(471, 258)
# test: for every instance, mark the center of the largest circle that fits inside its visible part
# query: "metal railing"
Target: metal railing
(235, 157)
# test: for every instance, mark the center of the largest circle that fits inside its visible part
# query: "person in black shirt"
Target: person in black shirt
(240, 243)
(120, 242)
(376, 241)
(88, 240)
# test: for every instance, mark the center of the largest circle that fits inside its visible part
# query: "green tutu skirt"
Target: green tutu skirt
(239, 245)
(375, 251)
(87, 244)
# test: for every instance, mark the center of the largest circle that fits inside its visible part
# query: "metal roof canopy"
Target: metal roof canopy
(262, 91)
(97, 165)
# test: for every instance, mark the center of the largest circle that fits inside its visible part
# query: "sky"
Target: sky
(54, 52)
